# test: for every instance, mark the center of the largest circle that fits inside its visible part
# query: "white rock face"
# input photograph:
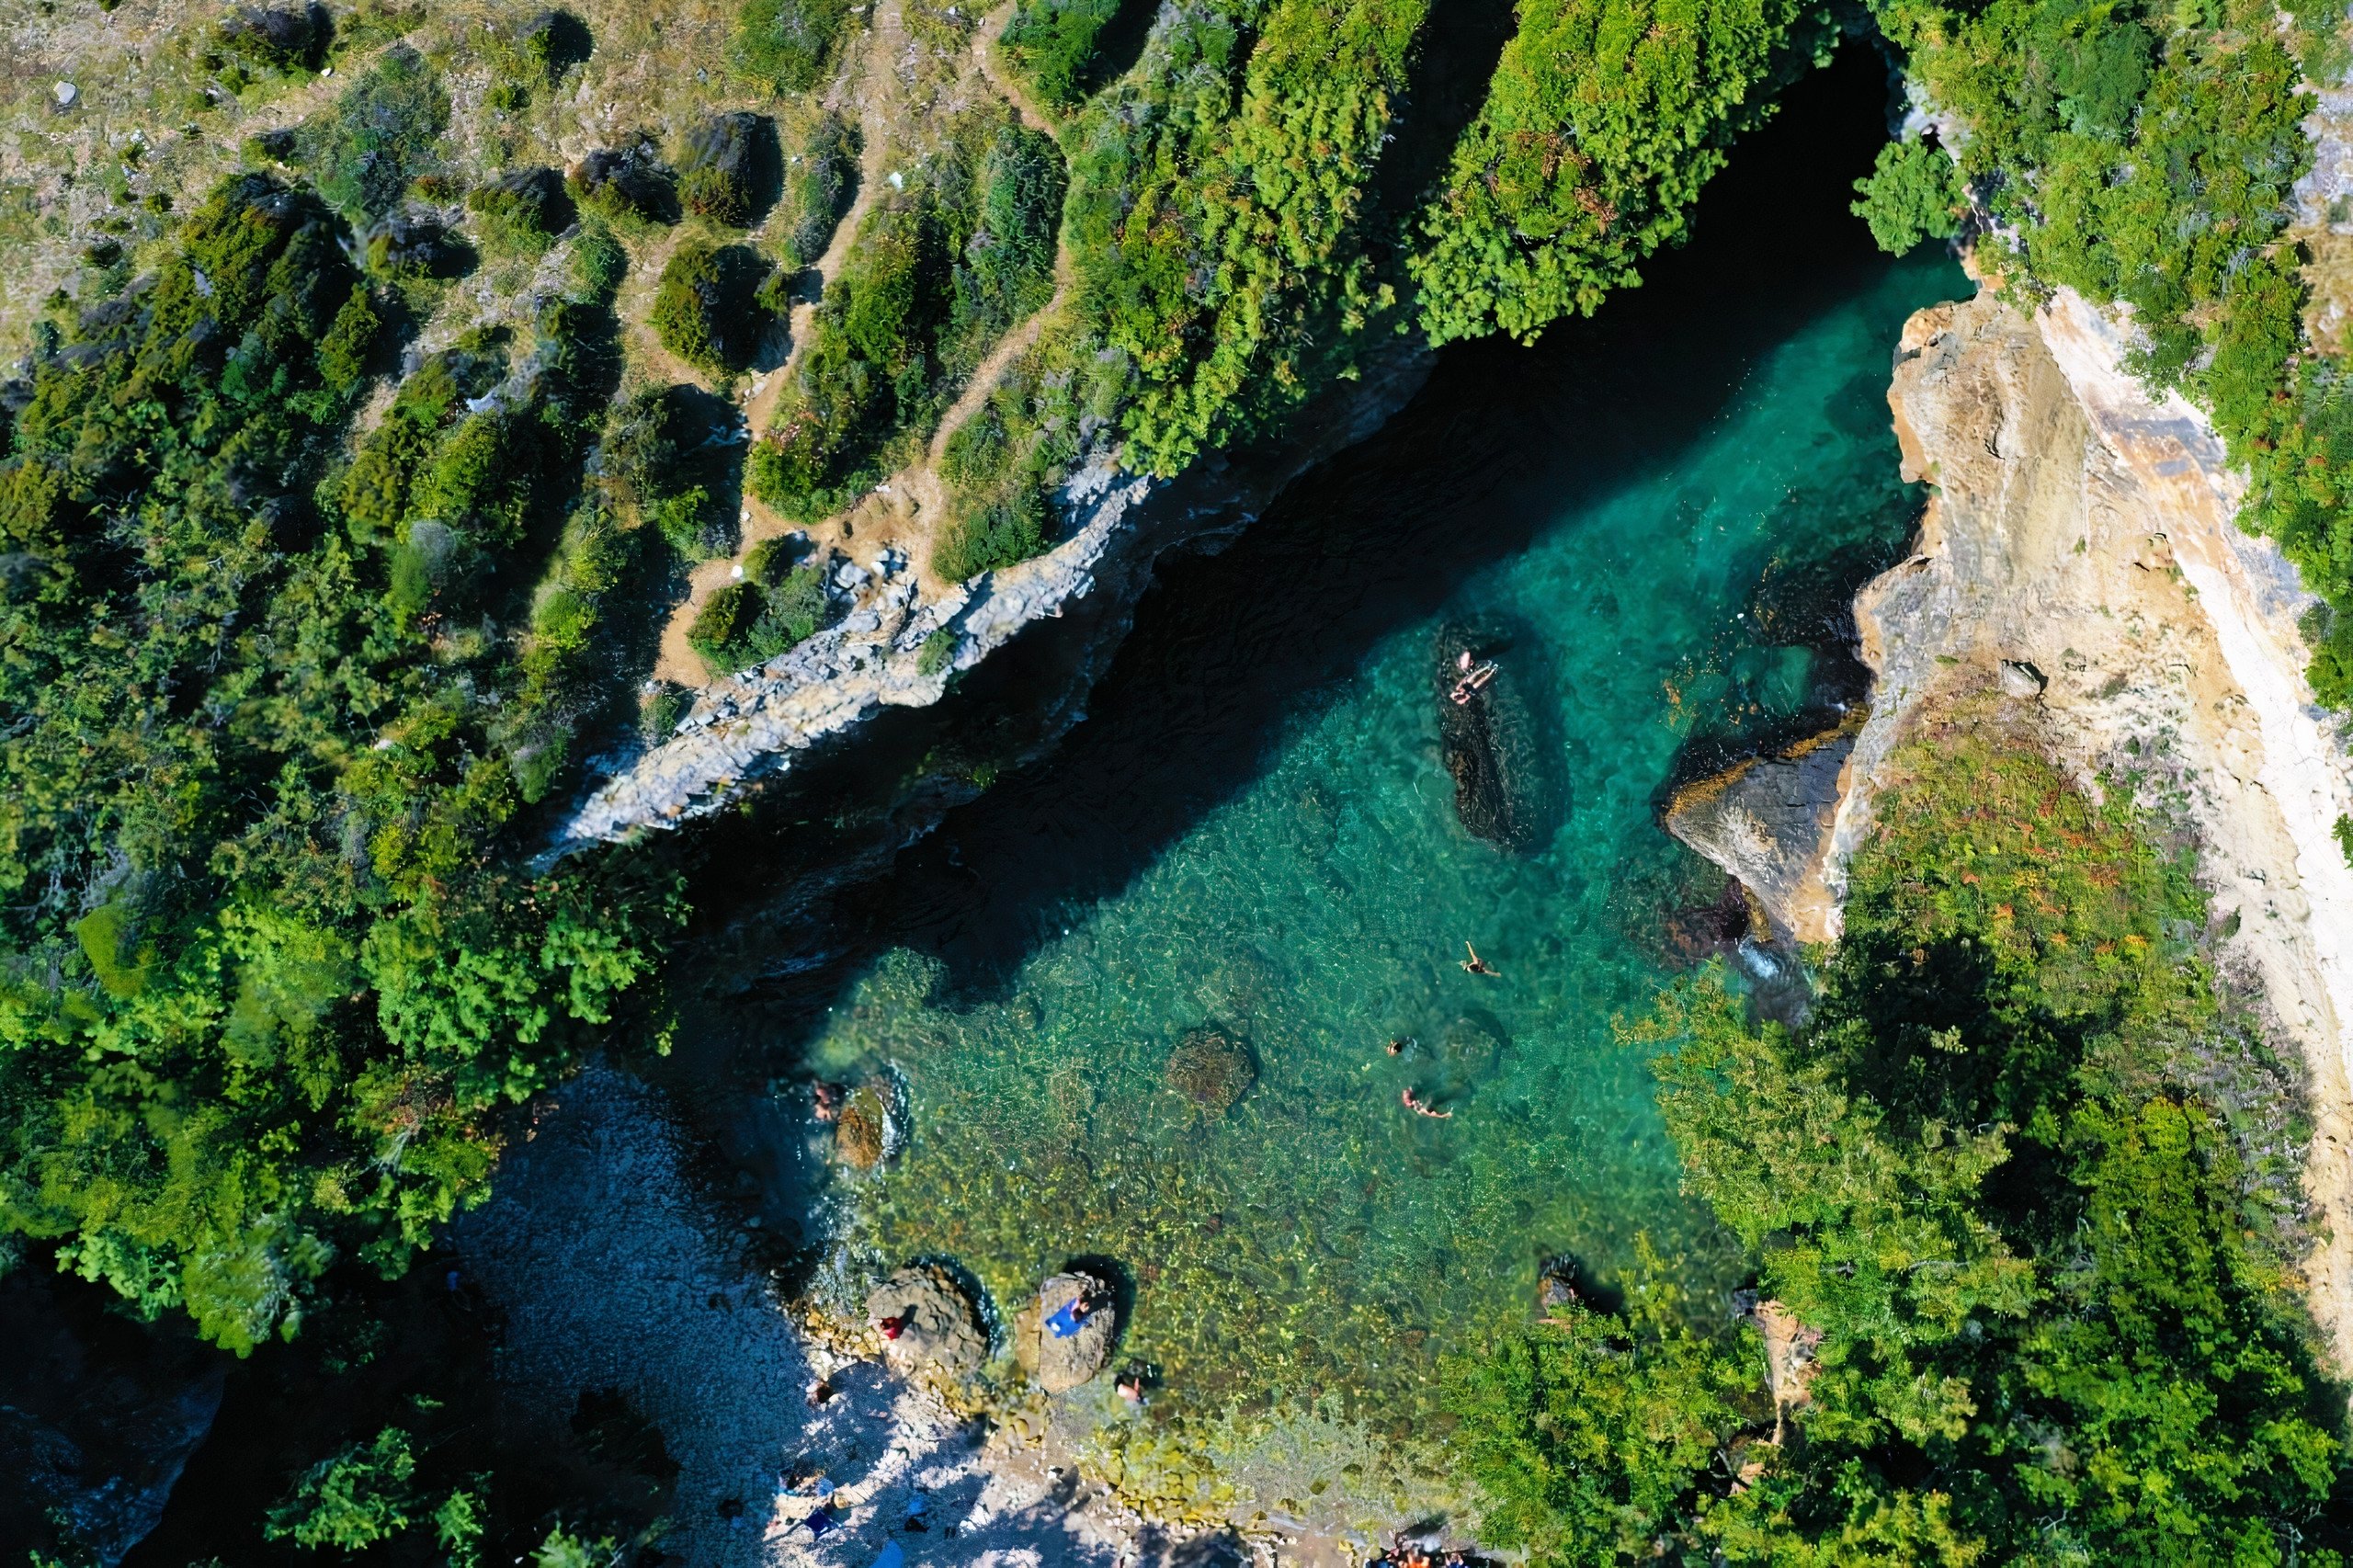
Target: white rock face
(2084, 536)
(750, 725)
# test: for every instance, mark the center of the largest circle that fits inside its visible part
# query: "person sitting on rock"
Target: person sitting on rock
(1071, 1316)
(894, 1325)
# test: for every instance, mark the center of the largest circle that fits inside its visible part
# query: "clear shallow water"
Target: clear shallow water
(1256, 832)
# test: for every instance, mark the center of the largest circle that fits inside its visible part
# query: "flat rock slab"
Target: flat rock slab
(1064, 1364)
(943, 1334)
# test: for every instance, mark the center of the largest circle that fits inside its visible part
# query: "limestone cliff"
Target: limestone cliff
(2080, 554)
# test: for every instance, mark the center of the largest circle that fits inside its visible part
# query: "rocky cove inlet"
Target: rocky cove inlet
(1653, 522)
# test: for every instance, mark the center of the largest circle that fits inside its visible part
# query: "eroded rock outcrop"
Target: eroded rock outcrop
(1767, 822)
(929, 1325)
(2080, 562)
(2084, 534)
(753, 725)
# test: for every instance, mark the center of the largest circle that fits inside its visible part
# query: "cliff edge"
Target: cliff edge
(2079, 556)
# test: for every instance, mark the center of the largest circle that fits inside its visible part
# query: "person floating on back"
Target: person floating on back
(1474, 964)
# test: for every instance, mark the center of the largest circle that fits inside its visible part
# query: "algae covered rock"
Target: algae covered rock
(861, 1135)
(1493, 741)
(1211, 1068)
(1061, 1365)
(938, 1327)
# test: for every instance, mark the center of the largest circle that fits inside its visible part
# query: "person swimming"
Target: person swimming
(1474, 679)
(1474, 964)
(1420, 1106)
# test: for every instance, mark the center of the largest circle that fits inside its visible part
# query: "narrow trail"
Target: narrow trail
(906, 511)
(676, 660)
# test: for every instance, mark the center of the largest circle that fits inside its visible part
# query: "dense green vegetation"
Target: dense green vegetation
(1051, 43)
(1913, 194)
(937, 274)
(2021, 1168)
(1604, 120)
(273, 961)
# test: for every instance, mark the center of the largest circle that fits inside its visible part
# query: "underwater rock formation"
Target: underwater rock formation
(1503, 789)
(1768, 823)
(861, 1134)
(1064, 1364)
(1212, 1069)
(939, 1330)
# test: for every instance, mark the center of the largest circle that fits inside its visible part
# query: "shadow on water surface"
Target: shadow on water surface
(1229, 648)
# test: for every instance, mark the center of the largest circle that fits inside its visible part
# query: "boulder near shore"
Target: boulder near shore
(940, 1330)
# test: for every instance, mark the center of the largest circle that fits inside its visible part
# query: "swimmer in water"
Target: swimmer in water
(1474, 964)
(1420, 1108)
(1402, 1044)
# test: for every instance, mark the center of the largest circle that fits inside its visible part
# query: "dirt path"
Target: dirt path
(903, 512)
(1008, 85)
(676, 660)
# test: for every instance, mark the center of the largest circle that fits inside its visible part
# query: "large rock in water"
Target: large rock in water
(1064, 1364)
(943, 1335)
(1768, 822)
(1504, 789)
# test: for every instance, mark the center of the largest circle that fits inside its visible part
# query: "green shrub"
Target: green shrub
(663, 467)
(704, 309)
(531, 58)
(1913, 195)
(364, 1494)
(523, 211)
(724, 621)
(788, 46)
(385, 128)
(629, 185)
(277, 39)
(598, 263)
(938, 652)
(729, 168)
(999, 533)
(1052, 45)
(772, 560)
(818, 188)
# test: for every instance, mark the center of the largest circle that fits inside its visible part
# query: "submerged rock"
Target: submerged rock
(1061, 1365)
(1212, 1069)
(97, 1417)
(862, 1133)
(939, 1328)
(1490, 745)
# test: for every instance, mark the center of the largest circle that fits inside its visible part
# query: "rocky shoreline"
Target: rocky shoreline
(2079, 559)
(751, 729)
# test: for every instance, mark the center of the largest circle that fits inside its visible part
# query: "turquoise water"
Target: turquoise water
(1256, 833)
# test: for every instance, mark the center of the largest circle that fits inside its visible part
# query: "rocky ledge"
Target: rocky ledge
(2080, 559)
(753, 726)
